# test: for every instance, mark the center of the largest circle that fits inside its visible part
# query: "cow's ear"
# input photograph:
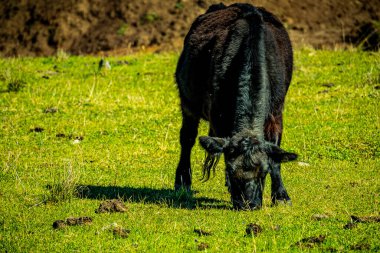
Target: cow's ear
(213, 145)
(279, 155)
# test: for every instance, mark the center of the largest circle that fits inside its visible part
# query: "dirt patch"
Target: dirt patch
(117, 230)
(350, 225)
(310, 242)
(365, 219)
(203, 246)
(37, 130)
(121, 232)
(253, 229)
(202, 232)
(319, 217)
(51, 110)
(362, 246)
(39, 28)
(70, 136)
(72, 221)
(111, 206)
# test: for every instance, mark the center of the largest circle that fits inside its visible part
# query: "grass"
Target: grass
(73, 135)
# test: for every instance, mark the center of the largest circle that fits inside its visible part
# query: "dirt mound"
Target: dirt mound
(39, 27)
(111, 206)
(72, 222)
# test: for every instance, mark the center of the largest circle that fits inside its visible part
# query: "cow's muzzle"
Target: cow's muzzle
(247, 195)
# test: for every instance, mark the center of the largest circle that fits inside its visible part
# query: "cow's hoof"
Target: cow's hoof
(281, 198)
(282, 202)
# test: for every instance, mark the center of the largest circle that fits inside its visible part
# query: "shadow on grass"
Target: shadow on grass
(168, 197)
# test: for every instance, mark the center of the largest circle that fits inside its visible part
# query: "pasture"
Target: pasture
(73, 135)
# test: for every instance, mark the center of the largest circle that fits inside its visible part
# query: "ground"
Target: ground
(41, 28)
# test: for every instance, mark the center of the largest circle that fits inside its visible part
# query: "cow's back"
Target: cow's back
(209, 68)
(278, 44)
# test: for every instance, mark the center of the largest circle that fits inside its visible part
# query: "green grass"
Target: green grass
(72, 135)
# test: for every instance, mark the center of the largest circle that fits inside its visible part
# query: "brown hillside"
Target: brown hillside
(41, 27)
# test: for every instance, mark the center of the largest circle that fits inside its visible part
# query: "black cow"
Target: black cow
(234, 71)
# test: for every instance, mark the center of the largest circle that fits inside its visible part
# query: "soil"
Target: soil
(72, 221)
(111, 206)
(350, 225)
(37, 130)
(41, 28)
(121, 232)
(253, 229)
(203, 246)
(362, 246)
(319, 217)
(202, 232)
(51, 110)
(311, 242)
(365, 219)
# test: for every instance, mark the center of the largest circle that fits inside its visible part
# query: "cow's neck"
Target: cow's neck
(251, 113)
(253, 100)
(253, 89)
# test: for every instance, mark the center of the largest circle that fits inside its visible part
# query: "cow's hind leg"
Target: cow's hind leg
(188, 134)
(274, 135)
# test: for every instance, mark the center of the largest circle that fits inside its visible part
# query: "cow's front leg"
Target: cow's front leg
(188, 134)
(279, 193)
(274, 134)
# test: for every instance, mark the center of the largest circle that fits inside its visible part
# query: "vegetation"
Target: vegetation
(73, 135)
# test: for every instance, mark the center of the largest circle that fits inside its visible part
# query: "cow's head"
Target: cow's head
(248, 160)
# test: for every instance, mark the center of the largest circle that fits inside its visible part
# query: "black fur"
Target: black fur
(234, 71)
